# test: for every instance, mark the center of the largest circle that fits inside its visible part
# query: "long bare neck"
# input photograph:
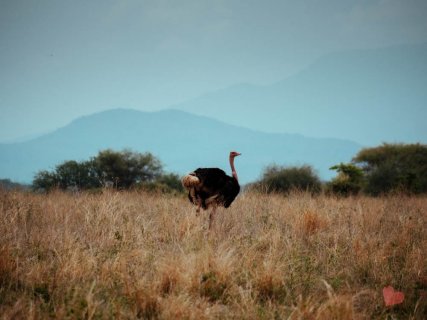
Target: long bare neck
(233, 169)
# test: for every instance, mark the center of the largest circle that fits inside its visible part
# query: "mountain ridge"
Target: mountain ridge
(182, 141)
(367, 96)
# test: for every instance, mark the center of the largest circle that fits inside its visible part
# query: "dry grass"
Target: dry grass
(137, 255)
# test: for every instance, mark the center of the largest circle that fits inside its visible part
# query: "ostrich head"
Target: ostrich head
(234, 154)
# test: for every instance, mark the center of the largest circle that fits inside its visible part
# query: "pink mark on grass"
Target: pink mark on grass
(392, 297)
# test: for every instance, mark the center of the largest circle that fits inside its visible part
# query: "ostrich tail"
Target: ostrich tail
(190, 180)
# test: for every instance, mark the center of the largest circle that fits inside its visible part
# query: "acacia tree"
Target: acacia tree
(126, 168)
(394, 167)
(121, 170)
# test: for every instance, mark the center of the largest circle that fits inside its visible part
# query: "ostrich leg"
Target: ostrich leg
(199, 205)
(212, 216)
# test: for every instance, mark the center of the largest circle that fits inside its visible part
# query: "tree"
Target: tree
(125, 168)
(285, 179)
(394, 167)
(45, 181)
(109, 168)
(72, 174)
(349, 180)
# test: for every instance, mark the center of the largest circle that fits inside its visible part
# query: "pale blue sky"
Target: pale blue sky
(63, 59)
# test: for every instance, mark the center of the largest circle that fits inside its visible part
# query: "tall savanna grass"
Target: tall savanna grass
(126, 255)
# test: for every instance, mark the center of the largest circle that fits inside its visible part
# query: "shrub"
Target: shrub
(285, 179)
(349, 180)
(7, 184)
(172, 181)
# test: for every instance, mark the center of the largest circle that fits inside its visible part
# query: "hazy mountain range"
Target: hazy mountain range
(368, 96)
(181, 140)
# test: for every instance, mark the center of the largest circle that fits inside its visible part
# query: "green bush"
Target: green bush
(45, 181)
(124, 169)
(120, 170)
(349, 180)
(280, 179)
(166, 183)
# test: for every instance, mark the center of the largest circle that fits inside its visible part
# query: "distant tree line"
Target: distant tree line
(115, 169)
(7, 184)
(374, 171)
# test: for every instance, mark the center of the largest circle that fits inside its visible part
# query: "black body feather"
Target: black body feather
(215, 183)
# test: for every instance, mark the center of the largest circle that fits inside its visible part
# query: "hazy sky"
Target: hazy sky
(63, 59)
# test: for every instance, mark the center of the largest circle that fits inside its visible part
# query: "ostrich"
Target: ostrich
(211, 187)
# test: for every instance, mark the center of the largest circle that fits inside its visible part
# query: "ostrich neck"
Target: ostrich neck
(233, 169)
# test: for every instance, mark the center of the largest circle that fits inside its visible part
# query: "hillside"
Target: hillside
(368, 96)
(181, 140)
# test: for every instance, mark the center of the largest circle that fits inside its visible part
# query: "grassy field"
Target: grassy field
(124, 255)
